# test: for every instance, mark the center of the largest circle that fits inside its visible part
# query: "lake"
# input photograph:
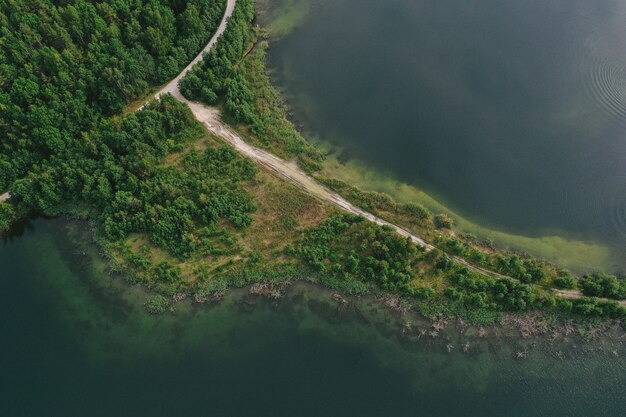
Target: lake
(76, 341)
(510, 112)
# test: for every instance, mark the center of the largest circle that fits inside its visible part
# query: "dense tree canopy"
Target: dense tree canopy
(349, 247)
(119, 175)
(66, 69)
(65, 64)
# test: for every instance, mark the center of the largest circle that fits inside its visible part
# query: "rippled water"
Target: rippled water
(510, 112)
(77, 342)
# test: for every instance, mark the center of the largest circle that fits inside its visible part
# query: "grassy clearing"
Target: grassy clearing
(282, 212)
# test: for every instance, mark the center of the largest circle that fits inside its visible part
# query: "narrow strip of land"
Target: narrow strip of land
(290, 171)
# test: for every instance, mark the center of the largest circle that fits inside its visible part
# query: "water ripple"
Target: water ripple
(606, 83)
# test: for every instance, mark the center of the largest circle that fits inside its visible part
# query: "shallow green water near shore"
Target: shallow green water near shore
(77, 342)
(511, 113)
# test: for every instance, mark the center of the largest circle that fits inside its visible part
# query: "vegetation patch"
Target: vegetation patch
(66, 65)
(240, 85)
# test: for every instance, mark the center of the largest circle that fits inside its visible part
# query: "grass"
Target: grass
(282, 212)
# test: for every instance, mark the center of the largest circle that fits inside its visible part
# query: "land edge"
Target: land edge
(283, 169)
(289, 171)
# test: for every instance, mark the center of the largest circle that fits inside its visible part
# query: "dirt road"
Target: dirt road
(172, 86)
(289, 171)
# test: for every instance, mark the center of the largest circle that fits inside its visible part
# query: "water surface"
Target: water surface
(510, 112)
(77, 342)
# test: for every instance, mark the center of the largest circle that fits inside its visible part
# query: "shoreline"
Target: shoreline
(581, 254)
(290, 172)
(397, 318)
(403, 323)
(211, 118)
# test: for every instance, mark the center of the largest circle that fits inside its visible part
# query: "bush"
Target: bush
(422, 293)
(565, 281)
(442, 221)
(416, 211)
(7, 216)
(157, 304)
(603, 285)
(347, 247)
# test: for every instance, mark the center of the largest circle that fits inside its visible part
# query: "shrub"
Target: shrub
(157, 304)
(565, 281)
(442, 221)
(416, 211)
(603, 285)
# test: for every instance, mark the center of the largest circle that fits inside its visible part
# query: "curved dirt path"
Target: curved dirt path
(5, 197)
(172, 86)
(289, 171)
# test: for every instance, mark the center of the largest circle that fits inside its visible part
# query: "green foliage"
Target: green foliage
(526, 270)
(565, 281)
(442, 221)
(7, 215)
(166, 272)
(588, 308)
(453, 308)
(172, 203)
(157, 304)
(514, 296)
(118, 174)
(603, 285)
(216, 77)
(65, 64)
(416, 212)
(350, 248)
(444, 263)
(233, 75)
(373, 201)
(488, 293)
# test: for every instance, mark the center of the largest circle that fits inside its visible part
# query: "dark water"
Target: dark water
(511, 112)
(76, 342)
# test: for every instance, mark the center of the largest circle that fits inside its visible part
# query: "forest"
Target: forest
(66, 65)
(67, 71)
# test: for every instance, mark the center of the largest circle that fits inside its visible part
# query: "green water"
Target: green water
(77, 342)
(510, 112)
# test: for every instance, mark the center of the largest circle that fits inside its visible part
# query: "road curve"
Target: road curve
(290, 171)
